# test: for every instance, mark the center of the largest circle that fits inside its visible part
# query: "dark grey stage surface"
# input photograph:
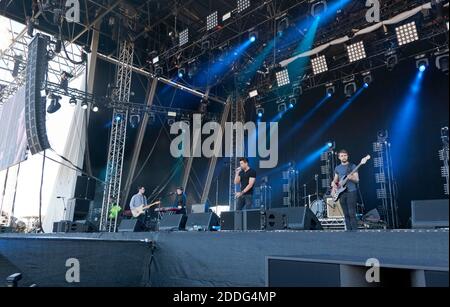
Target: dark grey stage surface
(218, 259)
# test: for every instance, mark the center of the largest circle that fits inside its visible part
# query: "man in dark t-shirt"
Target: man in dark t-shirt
(349, 198)
(246, 177)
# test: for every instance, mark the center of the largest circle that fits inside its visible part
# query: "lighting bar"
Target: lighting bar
(283, 78)
(184, 37)
(212, 21)
(356, 52)
(242, 5)
(319, 65)
(407, 33)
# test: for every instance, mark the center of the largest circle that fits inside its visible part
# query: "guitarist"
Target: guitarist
(137, 201)
(349, 198)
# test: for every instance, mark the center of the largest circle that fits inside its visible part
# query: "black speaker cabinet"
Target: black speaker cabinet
(82, 227)
(202, 221)
(85, 188)
(429, 213)
(62, 226)
(300, 218)
(231, 220)
(132, 225)
(273, 220)
(78, 209)
(252, 220)
(173, 222)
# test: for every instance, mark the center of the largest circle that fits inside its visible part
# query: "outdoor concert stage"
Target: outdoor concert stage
(209, 258)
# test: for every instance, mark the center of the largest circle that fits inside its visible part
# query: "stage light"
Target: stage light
(350, 89)
(367, 78)
(283, 78)
(442, 61)
(30, 26)
(95, 108)
(391, 62)
(73, 102)
(297, 90)
(58, 46)
(184, 37)
(54, 104)
(155, 60)
(84, 105)
(118, 118)
(292, 103)
(134, 121)
(330, 89)
(356, 52)
(172, 114)
(319, 8)
(17, 61)
(242, 5)
(407, 33)
(226, 16)
(159, 71)
(282, 108)
(181, 72)
(422, 63)
(330, 144)
(253, 36)
(253, 93)
(260, 111)
(283, 25)
(212, 21)
(319, 65)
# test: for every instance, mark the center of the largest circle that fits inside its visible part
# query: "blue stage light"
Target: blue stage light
(118, 118)
(366, 85)
(260, 114)
(252, 38)
(422, 68)
(291, 106)
(330, 145)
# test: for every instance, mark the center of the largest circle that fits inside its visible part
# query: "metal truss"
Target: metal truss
(333, 224)
(121, 92)
(17, 52)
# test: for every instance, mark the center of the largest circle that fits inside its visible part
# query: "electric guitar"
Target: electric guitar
(342, 185)
(137, 212)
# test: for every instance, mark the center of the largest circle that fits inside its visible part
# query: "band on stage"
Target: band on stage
(344, 187)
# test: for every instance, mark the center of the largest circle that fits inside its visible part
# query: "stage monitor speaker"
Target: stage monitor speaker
(132, 225)
(85, 188)
(334, 209)
(35, 103)
(231, 220)
(429, 213)
(300, 218)
(81, 227)
(252, 220)
(273, 220)
(173, 222)
(202, 221)
(78, 209)
(62, 226)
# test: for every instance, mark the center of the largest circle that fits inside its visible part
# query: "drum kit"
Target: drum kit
(322, 206)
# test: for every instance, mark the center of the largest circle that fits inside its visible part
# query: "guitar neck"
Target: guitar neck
(353, 172)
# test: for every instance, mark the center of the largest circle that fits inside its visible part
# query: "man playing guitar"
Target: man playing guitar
(348, 198)
(139, 207)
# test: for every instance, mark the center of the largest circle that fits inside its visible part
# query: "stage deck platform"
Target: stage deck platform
(216, 259)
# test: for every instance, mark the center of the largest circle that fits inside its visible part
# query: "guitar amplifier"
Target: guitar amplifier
(334, 209)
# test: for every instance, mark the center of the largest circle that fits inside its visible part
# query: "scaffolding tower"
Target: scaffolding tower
(120, 94)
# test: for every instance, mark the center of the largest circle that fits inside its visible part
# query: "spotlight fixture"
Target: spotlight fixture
(391, 62)
(422, 63)
(84, 104)
(253, 94)
(155, 60)
(330, 89)
(319, 65)
(73, 101)
(407, 33)
(118, 118)
(212, 21)
(17, 60)
(356, 52)
(30, 26)
(242, 5)
(318, 8)
(253, 36)
(184, 37)
(95, 108)
(54, 104)
(283, 25)
(282, 107)
(159, 71)
(283, 78)
(135, 120)
(297, 90)
(442, 61)
(350, 89)
(226, 16)
(260, 111)
(292, 102)
(181, 72)
(367, 78)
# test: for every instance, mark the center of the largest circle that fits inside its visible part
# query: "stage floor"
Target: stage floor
(219, 259)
